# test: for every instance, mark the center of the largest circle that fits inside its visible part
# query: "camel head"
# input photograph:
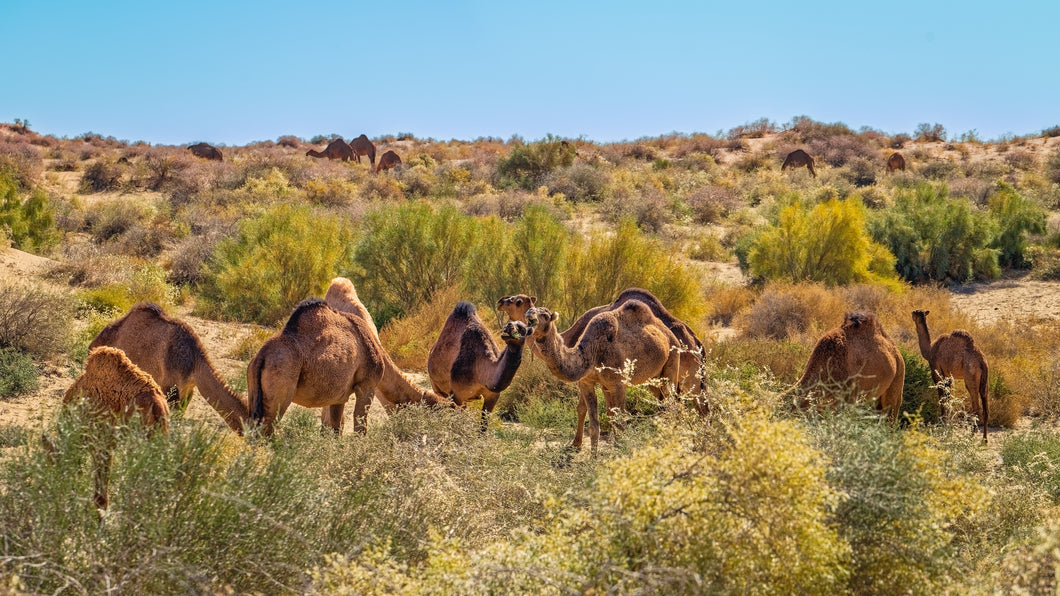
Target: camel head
(859, 320)
(920, 314)
(541, 321)
(515, 332)
(516, 306)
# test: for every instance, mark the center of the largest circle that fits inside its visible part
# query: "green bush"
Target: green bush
(275, 261)
(1016, 217)
(144, 283)
(27, 219)
(1034, 458)
(528, 165)
(18, 373)
(919, 397)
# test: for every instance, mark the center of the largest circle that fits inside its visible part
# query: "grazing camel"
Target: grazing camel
(362, 146)
(337, 149)
(206, 151)
(895, 162)
(955, 355)
(612, 340)
(114, 389)
(170, 351)
(797, 159)
(466, 363)
(856, 357)
(319, 359)
(387, 161)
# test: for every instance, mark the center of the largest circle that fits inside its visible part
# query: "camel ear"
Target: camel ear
(533, 301)
(554, 316)
(927, 312)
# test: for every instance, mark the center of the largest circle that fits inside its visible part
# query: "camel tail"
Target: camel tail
(984, 386)
(256, 398)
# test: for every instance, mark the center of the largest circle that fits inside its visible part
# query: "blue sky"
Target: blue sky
(236, 72)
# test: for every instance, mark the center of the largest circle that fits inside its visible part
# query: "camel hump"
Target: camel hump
(964, 335)
(464, 310)
(603, 325)
(307, 305)
(149, 307)
(638, 311)
(858, 319)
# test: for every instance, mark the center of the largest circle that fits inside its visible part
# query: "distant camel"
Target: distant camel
(362, 146)
(797, 159)
(388, 161)
(955, 355)
(170, 351)
(114, 389)
(206, 151)
(466, 362)
(895, 162)
(856, 357)
(337, 149)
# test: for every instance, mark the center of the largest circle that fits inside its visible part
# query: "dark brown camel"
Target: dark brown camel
(797, 159)
(337, 149)
(387, 161)
(206, 151)
(362, 146)
(895, 162)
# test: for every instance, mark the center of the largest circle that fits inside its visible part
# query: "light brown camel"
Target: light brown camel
(895, 162)
(955, 355)
(858, 357)
(612, 340)
(337, 149)
(114, 389)
(362, 146)
(170, 351)
(387, 161)
(797, 159)
(206, 151)
(466, 363)
(395, 388)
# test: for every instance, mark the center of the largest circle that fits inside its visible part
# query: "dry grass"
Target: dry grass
(409, 339)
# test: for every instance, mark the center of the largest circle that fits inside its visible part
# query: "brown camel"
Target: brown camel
(797, 159)
(955, 355)
(466, 363)
(387, 161)
(856, 357)
(337, 149)
(613, 340)
(114, 389)
(206, 151)
(362, 146)
(895, 162)
(319, 359)
(170, 351)
(395, 388)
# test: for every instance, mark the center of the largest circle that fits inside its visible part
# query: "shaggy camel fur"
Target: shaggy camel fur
(205, 151)
(113, 388)
(169, 351)
(466, 362)
(395, 388)
(337, 149)
(955, 355)
(317, 361)
(611, 340)
(362, 146)
(856, 357)
(387, 161)
(895, 162)
(797, 159)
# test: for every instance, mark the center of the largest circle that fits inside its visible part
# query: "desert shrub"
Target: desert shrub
(899, 140)
(145, 282)
(186, 262)
(930, 133)
(753, 130)
(786, 310)
(27, 219)
(330, 192)
(725, 302)
(539, 399)
(919, 396)
(1016, 217)
(939, 169)
(579, 183)
(33, 319)
(839, 150)
(289, 141)
(935, 238)
(18, 373)
(164, 168)
(749, 356)
(707, 246)
(108, 220)
(23, 162)
(860, 172)
(527, 165)
(100, 176)
(711, 204)
(404, 337)
(539, 251)
(1020, 159)
(827, 243)
(1034, 457)
(276, 260)
(975, 190)
(382, 188)
(1045, 263)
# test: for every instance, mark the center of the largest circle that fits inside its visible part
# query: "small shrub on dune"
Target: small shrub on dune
(927, 133)
(145, 282)
(527, 165)
(23, 162)
(580, 183)
(113, 218)
(100, 176)
(18, 373)
(382, 188)
(712, 204)
(840, 150)
(33, 319)
(330, 192)
(708, 247)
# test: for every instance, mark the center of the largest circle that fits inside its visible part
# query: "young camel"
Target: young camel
(317, 361)
(114, 389)
(611, 340)
(856, 357)
(466, 363)
(170, 351)
(955, 355)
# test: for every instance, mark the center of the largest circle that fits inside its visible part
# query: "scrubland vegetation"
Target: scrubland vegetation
(756, 498)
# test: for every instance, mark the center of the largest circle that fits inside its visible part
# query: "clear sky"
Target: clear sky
(175, 72)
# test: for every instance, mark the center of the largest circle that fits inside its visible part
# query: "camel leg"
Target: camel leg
(489, 401)
(586, 391)
(615, 398)
(360, 407)
(936, 379)
(332, 417)
(589, 400)
(101, 458)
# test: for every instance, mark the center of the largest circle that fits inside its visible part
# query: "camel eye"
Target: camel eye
(519, 302)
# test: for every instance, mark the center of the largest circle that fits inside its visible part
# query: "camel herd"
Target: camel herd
(799, 159)
(329, 349)
(336, 149)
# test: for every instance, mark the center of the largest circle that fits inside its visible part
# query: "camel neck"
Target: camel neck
(923, 337)
(569, 364)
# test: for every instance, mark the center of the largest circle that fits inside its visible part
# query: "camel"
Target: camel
(319, 359)
(955, 355)
(858, 356)
(466, 363)
(342, 296)
(113, 389)
(362, 146)
(613, 340)
(170, 351)
(797, 159)
(387, 161)
(206, 151)
(895, 162)
(337, 149)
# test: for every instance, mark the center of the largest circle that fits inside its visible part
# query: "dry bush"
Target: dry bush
(785, 360)
(330, 192)
(579, 183)
(186, 262)
(783, 311)
(102, 175)
(382, 188)
(165, 167)
(939, 169)
(107, 220)
(752, 162)
(713, 203)
(860, 172)
(34, 319)
(89, 265)
(409, 339)
(839, 150)
(707, 246)
(647, 206)
(23, 160)
(727, 302)
(248, 344)
(976, 190)
(289, 141)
